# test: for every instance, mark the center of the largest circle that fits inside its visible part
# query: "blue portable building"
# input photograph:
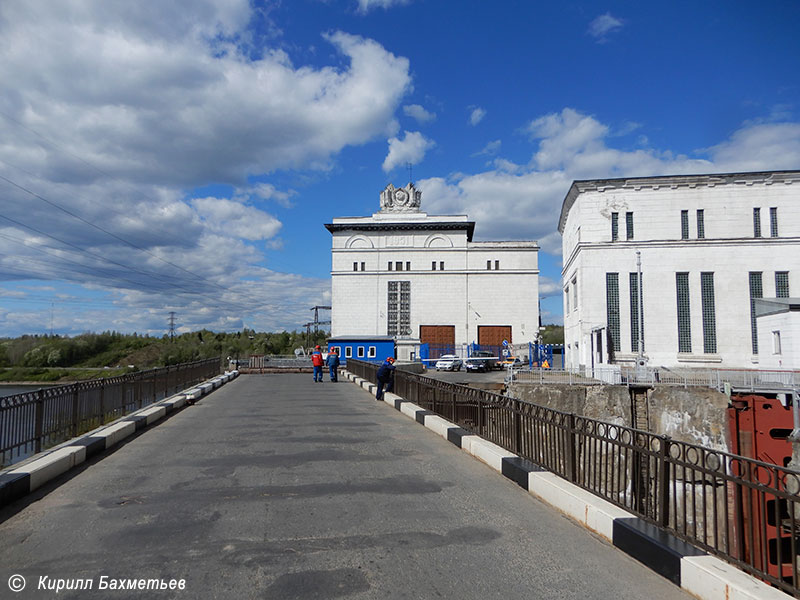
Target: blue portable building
(370, 348)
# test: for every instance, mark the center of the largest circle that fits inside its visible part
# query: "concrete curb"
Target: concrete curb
(699, 573)
(20, 480)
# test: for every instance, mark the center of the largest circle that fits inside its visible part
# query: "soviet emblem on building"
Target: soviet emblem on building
(405, 199)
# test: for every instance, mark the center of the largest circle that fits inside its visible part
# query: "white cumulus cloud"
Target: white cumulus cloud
(411, 149)
(476, 116)
(419, 113)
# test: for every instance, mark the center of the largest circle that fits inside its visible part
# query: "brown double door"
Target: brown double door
(437, 335)
(493, 335)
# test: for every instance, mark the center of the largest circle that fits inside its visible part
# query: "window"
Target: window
(355, 266)
(629, 225)
(338, 349)
(408, 266)
(398, 266)
(489, 265)
(398, 308)
(433, 265)
(701, 224)
(773, 222)
(348, 352)
(782, 284)
(776, 342)
(612, 309)
(441, 265)
(757, 222)
(684, 315)
(575, 293)
(363, 266)
(390, 265)
(684, 224)
(360, 352)
(372, 352)
(496, 265)
(614, 226)
(636, 312)
(566, 296)
(756, 291)
(709, 313)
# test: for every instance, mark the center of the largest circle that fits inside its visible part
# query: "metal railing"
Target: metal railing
(37, 420)
(740, 509)
(713, 378)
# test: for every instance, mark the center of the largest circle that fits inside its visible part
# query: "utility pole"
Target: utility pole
(172, 326)
(316, 322)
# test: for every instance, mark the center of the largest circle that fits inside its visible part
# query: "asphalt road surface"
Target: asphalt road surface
(276, 487)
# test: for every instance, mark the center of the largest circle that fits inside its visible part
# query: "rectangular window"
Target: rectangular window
(398, 265)
(408, 266)
(355, 266)
(757, 222)
(614, 226)
(390, 265)
(372, 352)
(398, 308)
(701, 224)
(636, 313)
(773, 221)
(709, 313)
(566, 296)
(684, 224)
(363, 266)
(684, 313)
(433, 265)
(776, 342)
(496, 265)
(575, 293)
(629, 225)
(756, 291)
(360, 352)
(338, 350)
(348, 352)
(612, 309)
(441, 265)
(782, 284)
(489, 265)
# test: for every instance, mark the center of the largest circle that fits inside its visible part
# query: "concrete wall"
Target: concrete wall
(693, 415)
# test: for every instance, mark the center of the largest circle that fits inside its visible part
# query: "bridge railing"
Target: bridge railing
(743, 510)
(36, 420)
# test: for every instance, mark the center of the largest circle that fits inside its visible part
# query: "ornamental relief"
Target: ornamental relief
(405, 199)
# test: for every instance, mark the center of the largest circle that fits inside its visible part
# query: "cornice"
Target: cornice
(467, 226)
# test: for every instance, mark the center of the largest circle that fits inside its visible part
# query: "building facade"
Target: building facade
(421, 279)
(707, 247)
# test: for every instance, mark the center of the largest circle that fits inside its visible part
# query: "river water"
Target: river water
(10, 390)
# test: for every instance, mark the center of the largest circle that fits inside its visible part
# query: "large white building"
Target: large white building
(709, 246)
(421, 279)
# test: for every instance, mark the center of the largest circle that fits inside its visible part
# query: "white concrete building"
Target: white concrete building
(709, 245)
(421, 279)
(778, 321)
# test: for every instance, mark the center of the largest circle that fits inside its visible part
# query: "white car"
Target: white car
(448, 362)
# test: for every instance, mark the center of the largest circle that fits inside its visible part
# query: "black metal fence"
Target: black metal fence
(34, 421)
(743, 510)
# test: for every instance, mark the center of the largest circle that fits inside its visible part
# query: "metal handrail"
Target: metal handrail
(37, 420)
(743, 510)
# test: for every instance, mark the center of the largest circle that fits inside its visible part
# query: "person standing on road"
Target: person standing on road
(385, 377)
(317, 361)
(333, 364)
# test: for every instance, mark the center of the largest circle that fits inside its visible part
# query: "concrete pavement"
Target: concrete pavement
(277, 487)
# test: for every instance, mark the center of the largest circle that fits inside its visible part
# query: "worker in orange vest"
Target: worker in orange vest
(318, 362)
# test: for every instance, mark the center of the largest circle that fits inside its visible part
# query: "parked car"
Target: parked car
(481, 361)
(511, 361)
(448, 362)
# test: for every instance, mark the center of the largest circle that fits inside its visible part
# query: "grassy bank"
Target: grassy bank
(55, 375)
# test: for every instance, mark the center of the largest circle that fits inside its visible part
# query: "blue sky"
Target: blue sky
(185, 157)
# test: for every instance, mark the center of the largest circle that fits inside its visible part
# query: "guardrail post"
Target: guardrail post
(570, 450)
(39, 422)
(663, 483)
(102, 400)
(166, 383)
(75, 411)
(517, 427)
